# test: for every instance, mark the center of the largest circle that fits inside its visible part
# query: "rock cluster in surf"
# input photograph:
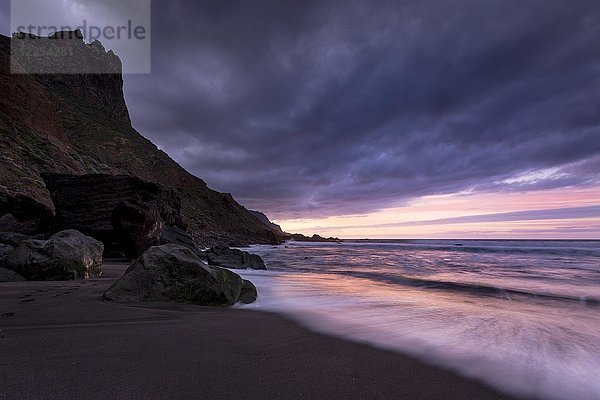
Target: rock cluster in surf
(223, 256)
(175, 273)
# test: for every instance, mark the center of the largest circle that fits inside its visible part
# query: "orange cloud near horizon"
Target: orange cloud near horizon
(440, 217)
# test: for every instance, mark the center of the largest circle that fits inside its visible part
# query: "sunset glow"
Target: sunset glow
(577, 216)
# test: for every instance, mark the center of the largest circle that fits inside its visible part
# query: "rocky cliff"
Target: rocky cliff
(265, 220)
(79, 124)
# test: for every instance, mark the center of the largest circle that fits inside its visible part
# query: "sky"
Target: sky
(465, 118)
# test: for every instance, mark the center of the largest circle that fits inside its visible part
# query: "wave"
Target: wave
(524, 318)
(530, 349)
(475, 289)
(587, 249)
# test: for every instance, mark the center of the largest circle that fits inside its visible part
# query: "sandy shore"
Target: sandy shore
(59, 341)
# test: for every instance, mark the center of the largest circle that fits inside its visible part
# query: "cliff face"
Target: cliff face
(126, 213)
(265, 220)
(79, 124)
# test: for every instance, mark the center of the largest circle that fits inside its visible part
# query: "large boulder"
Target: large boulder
(175, 273)
(223, 256)
(249, 293)
(65, 256)
(6, 275)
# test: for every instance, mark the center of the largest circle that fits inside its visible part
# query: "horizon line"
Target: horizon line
(458, 239)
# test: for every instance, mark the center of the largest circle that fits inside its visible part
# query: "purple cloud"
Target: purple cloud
(316, 108)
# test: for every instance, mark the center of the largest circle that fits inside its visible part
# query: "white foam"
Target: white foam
(527, 349)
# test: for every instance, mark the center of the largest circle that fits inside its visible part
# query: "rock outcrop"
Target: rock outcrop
(5, 251)
(22, 214)
(223, 256)
(267, 222)
(67, 255)
(78, 124)
(14, 239)
(66, 55)
(172, 273)
(127, 214)
(298, 237)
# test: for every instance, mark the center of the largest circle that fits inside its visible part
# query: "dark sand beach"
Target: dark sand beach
(59, 341)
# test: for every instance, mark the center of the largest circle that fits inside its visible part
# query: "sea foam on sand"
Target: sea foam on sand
(525, 348)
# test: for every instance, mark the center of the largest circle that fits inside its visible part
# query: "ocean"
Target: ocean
(523, 316)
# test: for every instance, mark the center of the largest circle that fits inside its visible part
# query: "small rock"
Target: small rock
(223, 256)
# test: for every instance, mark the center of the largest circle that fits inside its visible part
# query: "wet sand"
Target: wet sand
(58, 340)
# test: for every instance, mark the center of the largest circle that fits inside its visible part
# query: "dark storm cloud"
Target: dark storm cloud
(321, 108)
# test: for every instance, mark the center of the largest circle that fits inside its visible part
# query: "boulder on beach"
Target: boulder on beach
(174, 273)
(6, 275)
(249, 293)
(223, 256)
(67, 255)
